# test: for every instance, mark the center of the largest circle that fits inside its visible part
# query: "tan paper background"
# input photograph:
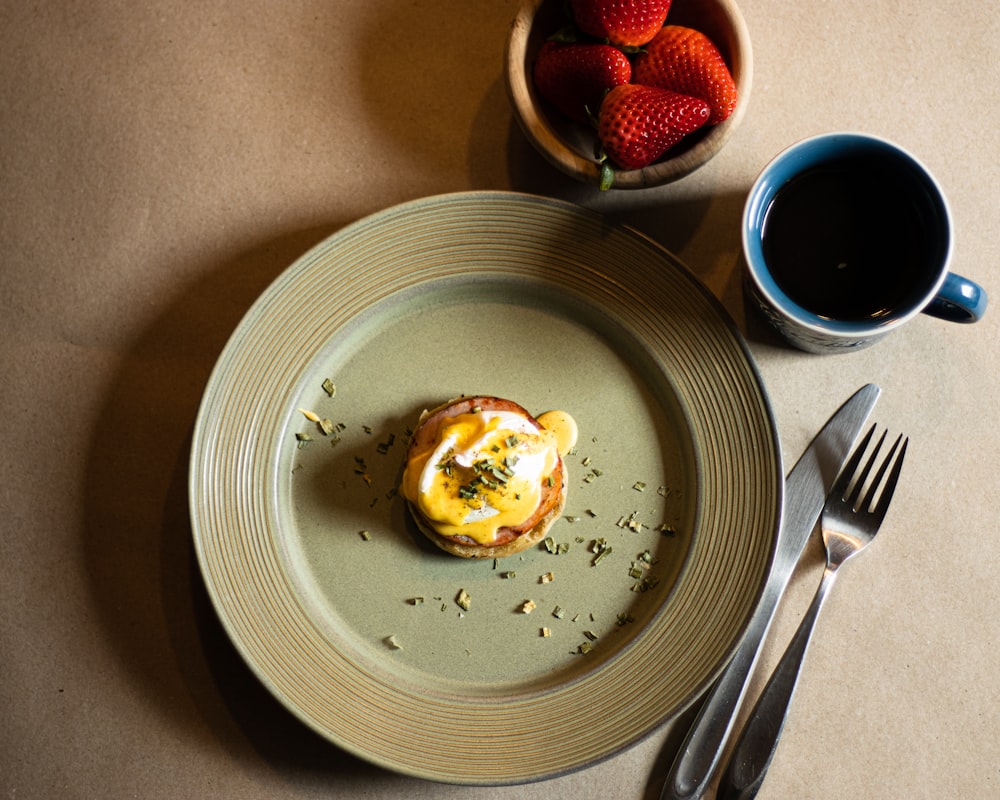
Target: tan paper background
(162, 162)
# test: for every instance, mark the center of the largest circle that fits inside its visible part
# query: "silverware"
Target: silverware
(849, 523)
(805, 491)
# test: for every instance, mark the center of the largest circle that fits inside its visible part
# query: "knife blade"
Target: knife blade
(805, 492)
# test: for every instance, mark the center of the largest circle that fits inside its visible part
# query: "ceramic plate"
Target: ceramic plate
(562, 656)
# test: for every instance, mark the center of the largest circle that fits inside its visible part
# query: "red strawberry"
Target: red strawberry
(575, 77)
(685, 60)
(638, 124)
(626, 23)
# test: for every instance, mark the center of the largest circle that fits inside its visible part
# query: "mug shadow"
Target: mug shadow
(139, 551)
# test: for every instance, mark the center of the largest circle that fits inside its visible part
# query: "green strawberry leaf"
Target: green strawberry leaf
(607, 175)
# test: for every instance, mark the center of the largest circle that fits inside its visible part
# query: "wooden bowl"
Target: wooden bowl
(570, 146)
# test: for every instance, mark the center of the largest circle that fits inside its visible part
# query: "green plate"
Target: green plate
(352, 619)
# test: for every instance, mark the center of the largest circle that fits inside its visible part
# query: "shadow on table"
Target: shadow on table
(226, 692)
(138, 551)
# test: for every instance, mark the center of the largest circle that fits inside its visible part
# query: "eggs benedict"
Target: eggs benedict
(485, 479)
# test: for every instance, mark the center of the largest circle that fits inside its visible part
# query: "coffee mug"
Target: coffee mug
(846, 237)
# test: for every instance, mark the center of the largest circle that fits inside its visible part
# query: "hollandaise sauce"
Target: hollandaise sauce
(485, 469)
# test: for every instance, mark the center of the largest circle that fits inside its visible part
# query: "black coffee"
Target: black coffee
(854, 239)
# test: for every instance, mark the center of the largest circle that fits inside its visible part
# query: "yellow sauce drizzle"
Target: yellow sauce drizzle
(485, 475)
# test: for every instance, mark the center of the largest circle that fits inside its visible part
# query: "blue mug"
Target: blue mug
(846, 237)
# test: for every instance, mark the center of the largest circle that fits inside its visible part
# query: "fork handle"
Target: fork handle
(755, 748)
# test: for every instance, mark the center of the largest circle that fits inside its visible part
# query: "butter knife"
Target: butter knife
(806, 488)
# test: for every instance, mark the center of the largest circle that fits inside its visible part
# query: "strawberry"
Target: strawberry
(626, 23)
(638, 123)
(685, 60)
(575, 77)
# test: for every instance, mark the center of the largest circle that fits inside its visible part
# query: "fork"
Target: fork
(849, 524)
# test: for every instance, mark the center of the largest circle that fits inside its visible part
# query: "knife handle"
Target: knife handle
(702, 750)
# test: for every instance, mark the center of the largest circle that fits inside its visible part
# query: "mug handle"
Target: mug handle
(959, 300)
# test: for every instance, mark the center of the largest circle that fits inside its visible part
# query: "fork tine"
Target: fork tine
(867, 503)
(848, 471)
(863, 477)
(890, 483)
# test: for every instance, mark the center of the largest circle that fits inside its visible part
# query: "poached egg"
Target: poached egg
(483, 468)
